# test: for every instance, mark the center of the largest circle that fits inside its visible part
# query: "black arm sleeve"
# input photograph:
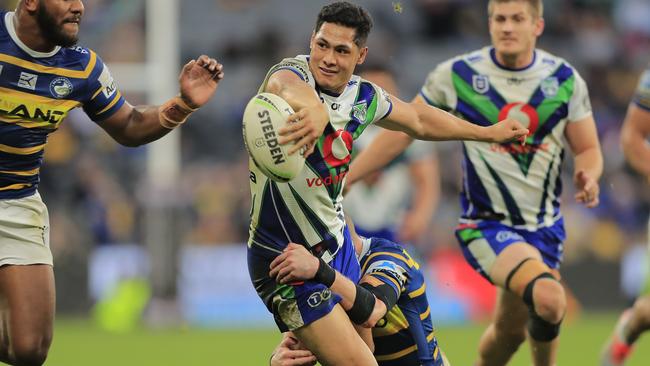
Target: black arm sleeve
(383, 292)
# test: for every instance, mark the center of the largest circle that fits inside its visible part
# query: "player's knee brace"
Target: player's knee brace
(539, 329)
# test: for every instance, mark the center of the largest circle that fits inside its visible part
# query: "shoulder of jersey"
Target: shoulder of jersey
(264, 115)
(383, 245)
(475, 56)
(299, 64)
(80, 54)
(551, 60)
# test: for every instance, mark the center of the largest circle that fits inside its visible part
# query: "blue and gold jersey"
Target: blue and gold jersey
(37, 90)
(405, 336)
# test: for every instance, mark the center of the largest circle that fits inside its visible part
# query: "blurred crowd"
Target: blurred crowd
(93, 187)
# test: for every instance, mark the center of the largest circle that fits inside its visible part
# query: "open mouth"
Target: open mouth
(72, 21)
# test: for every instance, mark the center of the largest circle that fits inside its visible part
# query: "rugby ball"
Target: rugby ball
(264, 115)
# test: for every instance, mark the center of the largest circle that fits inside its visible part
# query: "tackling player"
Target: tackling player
(391, 298)
(511, 230)
(636, 130)
(333, 107)
(42, 78)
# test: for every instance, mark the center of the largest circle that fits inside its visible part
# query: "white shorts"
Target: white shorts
(24, 231)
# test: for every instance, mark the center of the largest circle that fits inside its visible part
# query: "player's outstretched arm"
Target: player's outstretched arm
(297, 264)
(424, 122)
(311, 117)
(636, 130)
(583, 141)
(134, 126)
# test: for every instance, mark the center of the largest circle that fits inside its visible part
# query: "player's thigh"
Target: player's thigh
(366, 335)
(334, 340)
(509, 258)
(29, 298)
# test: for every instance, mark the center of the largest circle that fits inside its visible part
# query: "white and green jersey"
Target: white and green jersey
(519, 184)
(308, 209)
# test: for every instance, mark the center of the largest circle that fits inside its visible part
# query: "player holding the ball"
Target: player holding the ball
(511, 229)
(333, 107)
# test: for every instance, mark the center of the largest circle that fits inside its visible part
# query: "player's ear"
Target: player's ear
(362, 55)
(30, 5)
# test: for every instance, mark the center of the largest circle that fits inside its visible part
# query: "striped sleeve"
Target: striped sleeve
(103, 97)
(642, 95)
(388, 268)
(384, 104)
(295, 65)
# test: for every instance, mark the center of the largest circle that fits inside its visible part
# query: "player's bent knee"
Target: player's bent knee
(546, 303)
(549, 300)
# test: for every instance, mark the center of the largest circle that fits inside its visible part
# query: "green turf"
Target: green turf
(78, 343)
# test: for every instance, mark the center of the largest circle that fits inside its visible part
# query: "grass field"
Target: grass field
(78, 343)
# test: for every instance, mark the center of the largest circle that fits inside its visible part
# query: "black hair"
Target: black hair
(348, 15)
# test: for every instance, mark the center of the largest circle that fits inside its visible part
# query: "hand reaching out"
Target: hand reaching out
(199, 79)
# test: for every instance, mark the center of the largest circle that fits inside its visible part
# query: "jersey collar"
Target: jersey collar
(493, 56)
(11, 29)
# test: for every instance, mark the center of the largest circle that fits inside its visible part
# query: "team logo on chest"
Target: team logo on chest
(550, 86)
(60, 87)
(480, 83)
(359, 111)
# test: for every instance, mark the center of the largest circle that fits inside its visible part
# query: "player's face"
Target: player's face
(59, 20)
(514, 29)
(334, 55)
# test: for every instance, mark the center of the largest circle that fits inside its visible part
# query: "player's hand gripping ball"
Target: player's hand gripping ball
(264, 115)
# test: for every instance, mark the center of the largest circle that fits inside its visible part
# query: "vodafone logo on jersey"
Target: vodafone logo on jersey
(337, 148)
(528, 116)
(523, 113)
